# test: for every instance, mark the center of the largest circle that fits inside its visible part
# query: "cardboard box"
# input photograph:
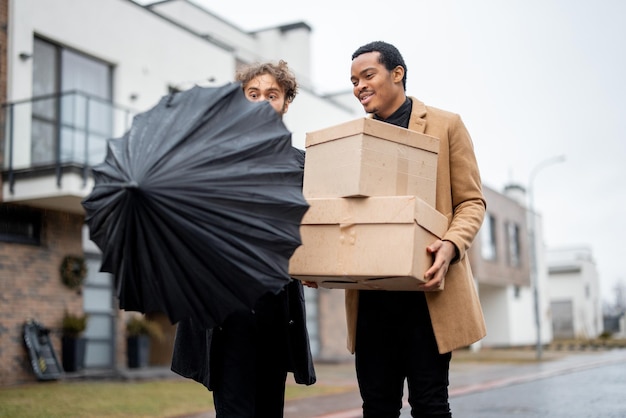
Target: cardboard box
(367, 243)
(366, 157)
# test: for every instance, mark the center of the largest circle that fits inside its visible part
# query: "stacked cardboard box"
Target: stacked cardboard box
(371, 187)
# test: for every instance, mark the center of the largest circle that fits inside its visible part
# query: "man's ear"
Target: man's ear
(397, 74)
(285, 107)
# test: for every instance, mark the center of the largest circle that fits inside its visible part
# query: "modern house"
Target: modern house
(574, 294)
(70, 80)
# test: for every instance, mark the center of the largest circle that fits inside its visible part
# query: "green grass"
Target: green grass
(90, 399)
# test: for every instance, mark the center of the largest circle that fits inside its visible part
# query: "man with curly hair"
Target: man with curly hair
(270, 82)
(245, 361)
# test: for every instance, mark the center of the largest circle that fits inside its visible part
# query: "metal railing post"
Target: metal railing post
(11, 174)
(57, 157)
(86, 162)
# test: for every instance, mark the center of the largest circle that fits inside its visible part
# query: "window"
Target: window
(513, 244)
(74, 119)
(488, 238)
(44, 111)
(20, 225)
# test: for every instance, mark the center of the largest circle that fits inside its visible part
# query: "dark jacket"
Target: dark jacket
(192, 345)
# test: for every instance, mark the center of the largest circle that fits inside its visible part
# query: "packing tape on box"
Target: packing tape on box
(347, 240)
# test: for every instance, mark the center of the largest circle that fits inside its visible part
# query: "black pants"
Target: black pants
(248, 358)
(394, 342)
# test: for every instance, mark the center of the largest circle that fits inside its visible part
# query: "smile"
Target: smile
(364, 97)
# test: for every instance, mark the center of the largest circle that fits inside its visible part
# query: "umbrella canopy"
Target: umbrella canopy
(197, 208)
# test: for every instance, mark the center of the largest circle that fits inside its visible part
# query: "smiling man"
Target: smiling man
(409, 335)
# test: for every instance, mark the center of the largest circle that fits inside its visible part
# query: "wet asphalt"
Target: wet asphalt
(497, 383)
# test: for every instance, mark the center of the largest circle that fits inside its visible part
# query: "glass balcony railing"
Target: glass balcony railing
(60, 130)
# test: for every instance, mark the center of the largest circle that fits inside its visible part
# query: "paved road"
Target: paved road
(499, 385)
(579, 386)
(594, 393)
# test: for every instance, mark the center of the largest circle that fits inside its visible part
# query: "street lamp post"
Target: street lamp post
(534, 269)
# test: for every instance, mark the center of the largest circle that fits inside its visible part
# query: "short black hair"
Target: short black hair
(389, 56)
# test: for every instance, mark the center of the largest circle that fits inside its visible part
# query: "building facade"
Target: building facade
(71, 79)
(500, 259)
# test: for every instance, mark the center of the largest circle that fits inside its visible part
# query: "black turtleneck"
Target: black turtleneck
(401, 116)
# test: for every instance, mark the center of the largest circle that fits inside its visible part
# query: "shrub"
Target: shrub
(139, 325)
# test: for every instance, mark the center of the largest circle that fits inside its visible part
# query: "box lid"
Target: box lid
(375, 210)
(374, 128)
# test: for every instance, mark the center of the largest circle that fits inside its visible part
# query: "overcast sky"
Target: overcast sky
(532, 79)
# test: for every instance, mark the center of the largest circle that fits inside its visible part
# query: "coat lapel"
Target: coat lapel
(417, 122)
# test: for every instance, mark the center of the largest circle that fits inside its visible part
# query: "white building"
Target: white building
(501, 263)
(574, 291)
(75, 73)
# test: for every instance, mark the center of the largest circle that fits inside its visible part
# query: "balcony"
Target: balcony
(50, 144)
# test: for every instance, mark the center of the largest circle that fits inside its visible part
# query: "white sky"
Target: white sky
(532, 79)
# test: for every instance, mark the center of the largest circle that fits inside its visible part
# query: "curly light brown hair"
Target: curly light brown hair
(280, 71)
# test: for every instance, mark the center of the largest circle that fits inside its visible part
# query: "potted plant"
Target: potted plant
(139, 331)
(73, 344)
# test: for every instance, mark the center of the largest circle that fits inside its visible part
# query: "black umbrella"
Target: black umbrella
(197, 208)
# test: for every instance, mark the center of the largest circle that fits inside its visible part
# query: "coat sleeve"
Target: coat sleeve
(299, 347)
(468, 203)
(192, 346)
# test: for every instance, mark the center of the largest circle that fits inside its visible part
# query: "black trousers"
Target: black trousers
(248, 360)
(394, 343)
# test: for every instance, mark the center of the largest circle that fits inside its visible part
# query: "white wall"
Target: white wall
(150, 53)
(574, 278)
(510, 319)
(542, 278)
(309, 113)
(204, 22)
(497, 319)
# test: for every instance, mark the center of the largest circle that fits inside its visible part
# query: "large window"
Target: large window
(488, 238)
(73, 119)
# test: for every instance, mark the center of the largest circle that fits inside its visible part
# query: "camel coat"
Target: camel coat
(455, 312)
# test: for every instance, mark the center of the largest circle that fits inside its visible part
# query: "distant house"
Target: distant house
(574, 290)
(500, 259)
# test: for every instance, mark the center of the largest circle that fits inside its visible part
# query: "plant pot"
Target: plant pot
(73, 350)
(138, 351)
